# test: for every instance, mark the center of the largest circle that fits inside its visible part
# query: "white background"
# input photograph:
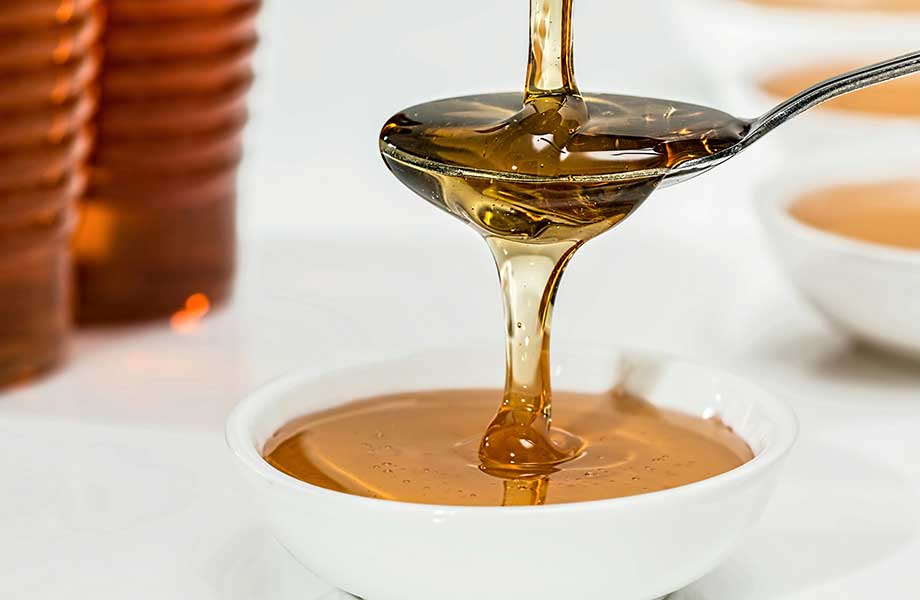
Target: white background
(115, 479)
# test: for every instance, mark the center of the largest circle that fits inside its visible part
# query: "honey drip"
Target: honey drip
(511, 170)
(532, 175)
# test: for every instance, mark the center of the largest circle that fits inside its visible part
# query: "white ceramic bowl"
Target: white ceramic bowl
(634, 548)
(735, 39)
(822, 128)
(870, 291)
(741, 44)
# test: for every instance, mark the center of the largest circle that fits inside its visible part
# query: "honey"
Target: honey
(422, 447)
(531, 173)
(886, 213)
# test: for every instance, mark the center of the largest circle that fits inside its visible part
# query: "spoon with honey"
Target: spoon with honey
(539, 176)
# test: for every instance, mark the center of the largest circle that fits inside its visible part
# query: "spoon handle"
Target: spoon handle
(796, 105)
(831, 88)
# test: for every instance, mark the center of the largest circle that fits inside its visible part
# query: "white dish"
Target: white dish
(870, 291)
(634, 548)
(735, 39)
(741, 44)
(823, 128)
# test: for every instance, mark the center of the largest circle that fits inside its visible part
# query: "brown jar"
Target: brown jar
(48, 62)
(157, 220)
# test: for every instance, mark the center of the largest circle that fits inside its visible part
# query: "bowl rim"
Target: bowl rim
(772, 202)
(779, 444)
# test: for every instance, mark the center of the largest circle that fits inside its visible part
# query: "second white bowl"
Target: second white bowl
(870, 291)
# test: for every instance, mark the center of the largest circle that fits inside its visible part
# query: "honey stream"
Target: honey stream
(527, 172)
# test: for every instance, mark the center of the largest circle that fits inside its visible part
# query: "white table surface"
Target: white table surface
(116, 480)
(117, 483)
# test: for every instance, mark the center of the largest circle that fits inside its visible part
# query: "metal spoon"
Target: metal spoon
(757, 128)
(813, 96)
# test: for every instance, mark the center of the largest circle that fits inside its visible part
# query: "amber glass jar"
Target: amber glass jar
(157, 220)
(48, 62)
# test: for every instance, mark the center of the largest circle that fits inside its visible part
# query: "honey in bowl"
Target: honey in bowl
(422, 447)
(886, 213)
(893, 99)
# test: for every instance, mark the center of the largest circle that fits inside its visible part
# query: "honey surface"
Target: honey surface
(883, 213)
(422, 447)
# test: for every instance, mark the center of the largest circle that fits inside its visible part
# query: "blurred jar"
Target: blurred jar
(48, 63)
(157, 221)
